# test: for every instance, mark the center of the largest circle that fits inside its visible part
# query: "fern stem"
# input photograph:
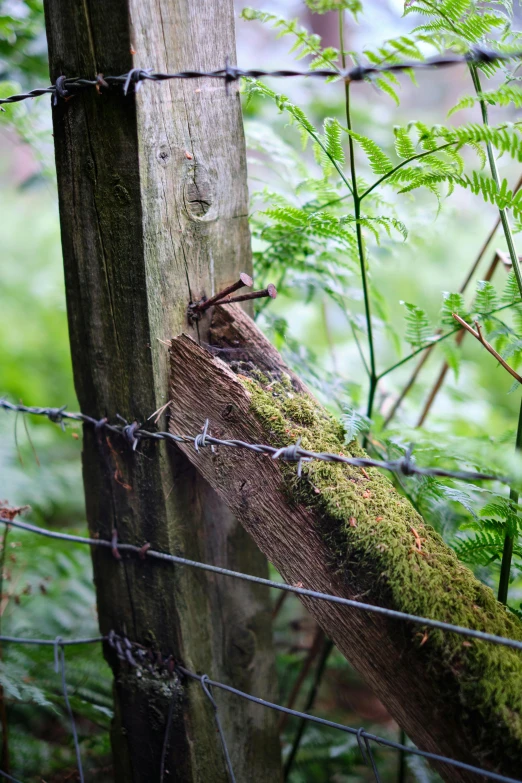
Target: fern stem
(507, 554)
(509, 540)
(360, 244)
(494, 173)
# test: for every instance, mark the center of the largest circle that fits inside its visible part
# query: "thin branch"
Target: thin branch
(477, 334)
(313, 652)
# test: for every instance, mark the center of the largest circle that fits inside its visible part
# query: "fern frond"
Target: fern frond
(403, 143)
(506, 94)
(480, 549)
(418, 328)
(306, 44)
(511, 292)
(452, 303)
(379, 162)
(332, 139)
(486, 299)
(387, 223)
(354, 423)
(467, 102)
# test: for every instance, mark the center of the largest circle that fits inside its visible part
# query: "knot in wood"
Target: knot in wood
(198, 191)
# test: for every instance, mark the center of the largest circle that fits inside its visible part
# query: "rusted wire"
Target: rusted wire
(134, 432)
(65, 87)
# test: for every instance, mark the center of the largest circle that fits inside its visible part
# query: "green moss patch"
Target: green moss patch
(376, 535)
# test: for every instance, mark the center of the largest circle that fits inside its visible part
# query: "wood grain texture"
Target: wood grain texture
(153, 209)
(425, 701)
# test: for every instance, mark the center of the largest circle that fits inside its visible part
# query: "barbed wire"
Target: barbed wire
(66, 87)
(134, 432)
(138, 656)
(145, 551)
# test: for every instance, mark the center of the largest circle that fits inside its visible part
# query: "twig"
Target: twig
(321, 666)
(313, 652)
(499, 256)
(480, 337)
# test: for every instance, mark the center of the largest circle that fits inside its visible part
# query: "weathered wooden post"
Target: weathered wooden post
(153, 207)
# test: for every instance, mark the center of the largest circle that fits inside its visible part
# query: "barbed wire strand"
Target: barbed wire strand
(9, 777)
(67, 86)
(133, 433)
(144, 552)
(364, 738)
(59, 667)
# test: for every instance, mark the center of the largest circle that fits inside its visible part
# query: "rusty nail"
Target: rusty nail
(270, 291)
(143, 551)
(244, 281)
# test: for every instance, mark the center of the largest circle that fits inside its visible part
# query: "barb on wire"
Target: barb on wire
(143, 552)
(65, 87)
(293, 453)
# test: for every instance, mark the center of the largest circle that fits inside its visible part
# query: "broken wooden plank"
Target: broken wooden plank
(344, 531)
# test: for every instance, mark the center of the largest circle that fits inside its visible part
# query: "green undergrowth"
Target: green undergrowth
(380, 542)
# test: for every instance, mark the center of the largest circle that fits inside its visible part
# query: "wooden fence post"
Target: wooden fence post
(153, 208)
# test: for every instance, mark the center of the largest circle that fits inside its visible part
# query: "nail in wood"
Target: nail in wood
(244, 281)
(270, 291)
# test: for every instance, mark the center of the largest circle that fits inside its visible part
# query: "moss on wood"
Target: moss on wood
(372, 529)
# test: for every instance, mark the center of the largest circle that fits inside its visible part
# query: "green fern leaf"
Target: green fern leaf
(418, 328)
(332, 138)
(511, 292)
(379, 162)
(354, 423)
(486, 299)
(465, 103)
(452, 303)
(481, 548)
(403, 144)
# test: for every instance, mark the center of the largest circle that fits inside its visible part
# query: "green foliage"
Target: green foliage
(418, 328)
(323, 6)
(452, 303)
(22, 46)
(379, 162)
(486, 300)
(354, 423)
(306, 44)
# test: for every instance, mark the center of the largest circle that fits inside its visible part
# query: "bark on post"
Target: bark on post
(345, 531)
(153, 208)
